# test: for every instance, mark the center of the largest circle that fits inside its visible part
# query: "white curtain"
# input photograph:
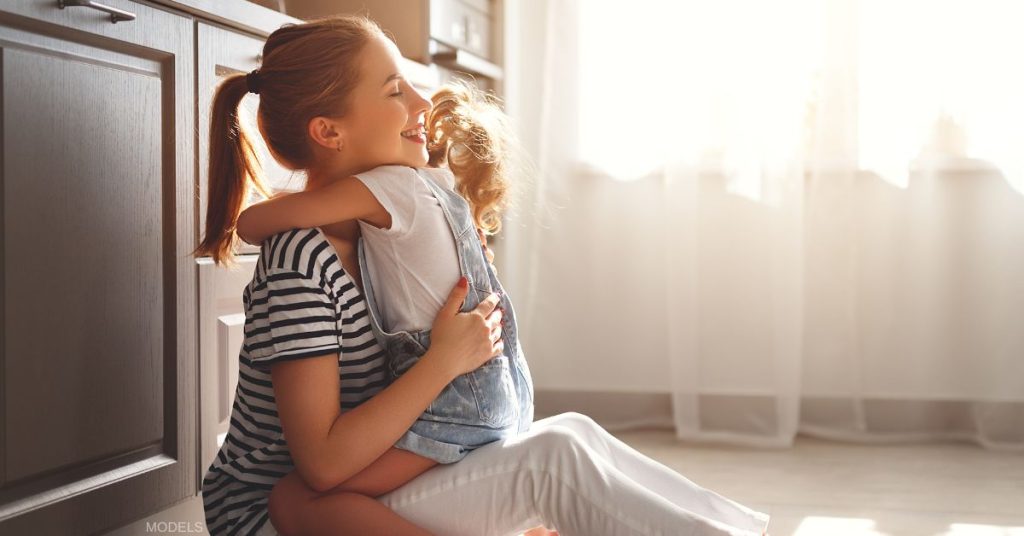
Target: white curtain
(798, 216)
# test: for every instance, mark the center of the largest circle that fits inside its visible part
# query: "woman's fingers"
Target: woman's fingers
(456, 298)
(494, 322)
(495, 317)
(487, 305)
(495, 332)
(488, 254)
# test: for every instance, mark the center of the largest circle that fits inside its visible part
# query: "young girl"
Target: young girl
(333, 103)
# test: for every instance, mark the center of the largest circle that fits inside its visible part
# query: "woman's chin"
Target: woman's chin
(416, 161)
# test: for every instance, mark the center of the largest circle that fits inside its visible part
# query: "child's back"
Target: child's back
(416, 259)
(406, 270)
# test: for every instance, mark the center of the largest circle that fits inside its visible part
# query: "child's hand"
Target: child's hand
(243, 227)
(241, 231)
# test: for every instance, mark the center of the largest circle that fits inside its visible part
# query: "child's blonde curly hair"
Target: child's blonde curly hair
(468, 131)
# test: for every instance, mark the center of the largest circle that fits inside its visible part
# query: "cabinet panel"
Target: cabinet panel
(224, 52)
(82, 244)
(462, 26)
(98, 294)
(221, 330)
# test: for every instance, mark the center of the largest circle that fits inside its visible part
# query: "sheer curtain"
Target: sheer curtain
(797, 217)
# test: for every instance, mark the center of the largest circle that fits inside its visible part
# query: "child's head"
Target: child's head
(468, 131)
(332, 103)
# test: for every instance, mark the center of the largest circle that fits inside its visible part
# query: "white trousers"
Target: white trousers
(568, 474)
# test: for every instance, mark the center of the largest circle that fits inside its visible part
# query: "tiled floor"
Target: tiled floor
(839, 489)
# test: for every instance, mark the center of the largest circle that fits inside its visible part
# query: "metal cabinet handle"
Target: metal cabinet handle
(115, 14)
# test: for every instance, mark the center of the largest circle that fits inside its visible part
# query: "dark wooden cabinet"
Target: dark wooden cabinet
(98, 383)
(118, 350)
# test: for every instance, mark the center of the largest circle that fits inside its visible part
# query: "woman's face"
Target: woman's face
(386, 114)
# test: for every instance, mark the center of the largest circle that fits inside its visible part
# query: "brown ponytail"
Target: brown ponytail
(468, 131)
(309, 69)
(234, 165)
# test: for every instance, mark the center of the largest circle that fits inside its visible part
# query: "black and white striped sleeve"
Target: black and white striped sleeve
(292, 317)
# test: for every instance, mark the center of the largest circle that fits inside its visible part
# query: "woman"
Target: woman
(309, 363)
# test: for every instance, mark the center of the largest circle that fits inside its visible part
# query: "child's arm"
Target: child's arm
(343, 199)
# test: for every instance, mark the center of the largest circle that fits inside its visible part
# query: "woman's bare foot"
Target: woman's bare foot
(540, 531)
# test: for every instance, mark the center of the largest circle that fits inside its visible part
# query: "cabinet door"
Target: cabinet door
(222, 52)
(97, 288)
(221, 330)
(221, 318)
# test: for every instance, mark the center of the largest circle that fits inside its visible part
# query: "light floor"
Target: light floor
(838, 489)
(821, 488)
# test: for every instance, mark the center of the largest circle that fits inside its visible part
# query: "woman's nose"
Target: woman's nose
(419, 103)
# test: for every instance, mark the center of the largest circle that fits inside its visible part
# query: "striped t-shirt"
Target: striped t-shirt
(300, 303)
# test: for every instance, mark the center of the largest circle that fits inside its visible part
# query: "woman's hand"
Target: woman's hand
(461, 342)
(488, 254)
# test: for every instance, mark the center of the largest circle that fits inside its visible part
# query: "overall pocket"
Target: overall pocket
(495, 393)
(486, 396)
(456, 404)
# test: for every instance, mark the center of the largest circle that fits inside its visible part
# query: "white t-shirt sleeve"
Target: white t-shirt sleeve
(394, 188)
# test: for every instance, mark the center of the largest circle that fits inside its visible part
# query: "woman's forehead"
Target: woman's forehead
(380, 60)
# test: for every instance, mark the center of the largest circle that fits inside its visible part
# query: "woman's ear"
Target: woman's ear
(327, 133)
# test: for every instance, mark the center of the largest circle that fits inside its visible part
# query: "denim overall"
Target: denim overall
(492, 402)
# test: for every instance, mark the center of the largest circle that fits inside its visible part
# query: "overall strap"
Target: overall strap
(453, 206)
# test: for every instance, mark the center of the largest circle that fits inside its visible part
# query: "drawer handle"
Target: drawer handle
(115, 14)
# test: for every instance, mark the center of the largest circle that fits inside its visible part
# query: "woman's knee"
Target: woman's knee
(558, 463)
(554, 443)
(574, 420)
(581, 420)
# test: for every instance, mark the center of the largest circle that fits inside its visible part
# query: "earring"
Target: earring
(339, 147)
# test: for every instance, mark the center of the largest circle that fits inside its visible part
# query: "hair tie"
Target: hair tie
(253, 80)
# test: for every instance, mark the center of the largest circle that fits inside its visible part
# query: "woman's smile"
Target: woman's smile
(416, 134)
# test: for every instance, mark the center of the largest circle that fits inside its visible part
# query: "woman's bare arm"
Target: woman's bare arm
(328, 447)
(341, 200)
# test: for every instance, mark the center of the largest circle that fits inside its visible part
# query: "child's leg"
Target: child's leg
(394, 468)
(349, 508)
